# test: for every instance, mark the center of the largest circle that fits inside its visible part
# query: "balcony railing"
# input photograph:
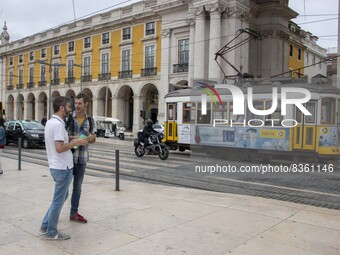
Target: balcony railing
(30, 85)
(86, 78)
(20, 86)
(55, 82)
(41, 83)
(10, 87)
(181, 68)
(69, 80)
(104, 76)
(125, 74)
(149, 71)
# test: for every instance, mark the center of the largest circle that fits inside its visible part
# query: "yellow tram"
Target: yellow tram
(194, 123)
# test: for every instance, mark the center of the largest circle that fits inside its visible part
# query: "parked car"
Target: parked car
(159, 128)
(31, 132)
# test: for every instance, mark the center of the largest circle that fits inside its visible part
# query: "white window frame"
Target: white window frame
(122, 60)
(68, 46)
(146, 28)
(86, 66)
(108, 38)
(43, 51)
(56, 50)
(153, 57)
(105, 65)
(178, 51)
(123, 39)
(70, 68)
(87, 43)
(30, 75)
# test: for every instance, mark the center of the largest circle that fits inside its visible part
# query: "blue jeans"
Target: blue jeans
(62, 179)
(78, 177)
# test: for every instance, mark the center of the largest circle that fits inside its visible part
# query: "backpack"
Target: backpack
(70, 123)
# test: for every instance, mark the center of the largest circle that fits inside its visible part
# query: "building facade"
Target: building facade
(125, 59)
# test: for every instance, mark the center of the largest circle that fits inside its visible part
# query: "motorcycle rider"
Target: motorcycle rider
(147, 131)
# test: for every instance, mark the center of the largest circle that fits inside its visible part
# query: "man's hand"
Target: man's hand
(79, 141)
(91, 138)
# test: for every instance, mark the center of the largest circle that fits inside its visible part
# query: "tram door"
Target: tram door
(171, 127)
(304, 135)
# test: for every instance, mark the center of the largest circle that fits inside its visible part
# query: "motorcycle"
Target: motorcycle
(154, 146)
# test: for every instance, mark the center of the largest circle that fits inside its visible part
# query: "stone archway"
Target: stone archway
(149, 95)
(103, 105)
(71, 94)
(41, 106)
(9, 110)
(30, 107)
(89, 109)
(20, 107)
(125, 106)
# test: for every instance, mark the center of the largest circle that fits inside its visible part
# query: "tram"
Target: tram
(296, 135)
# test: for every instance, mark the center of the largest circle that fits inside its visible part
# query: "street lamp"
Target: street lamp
(50, 87)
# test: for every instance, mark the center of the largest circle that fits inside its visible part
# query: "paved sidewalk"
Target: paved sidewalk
(149, 219)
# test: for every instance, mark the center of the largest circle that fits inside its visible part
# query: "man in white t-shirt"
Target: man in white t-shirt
(60, 161)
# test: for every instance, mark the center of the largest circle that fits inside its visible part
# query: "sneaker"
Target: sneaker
(58, 236)
(43, 230)
(1, 172)
(78, 218)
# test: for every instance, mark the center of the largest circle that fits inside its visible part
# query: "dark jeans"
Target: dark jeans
(78, 177)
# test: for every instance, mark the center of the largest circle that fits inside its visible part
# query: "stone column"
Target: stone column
(200, 56)
(215, 41)
(137, 107)
(165, 71)
(39, 109)
(114, 107)
(191, 23)
(235, 18)
(95, 106)
(27, 114)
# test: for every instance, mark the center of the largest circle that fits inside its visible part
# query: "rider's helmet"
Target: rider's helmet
(149, 123)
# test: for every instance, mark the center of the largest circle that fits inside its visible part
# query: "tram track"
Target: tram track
(149, 170)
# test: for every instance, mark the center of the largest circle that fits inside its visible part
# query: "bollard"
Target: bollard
(19, 153)
(117, 170)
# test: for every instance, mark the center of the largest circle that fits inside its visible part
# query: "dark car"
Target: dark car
(31, 132)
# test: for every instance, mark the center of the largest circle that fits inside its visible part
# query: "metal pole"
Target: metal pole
(106, 96)
(19, 153)
(18, 104)
(50, 88)
(117, 170)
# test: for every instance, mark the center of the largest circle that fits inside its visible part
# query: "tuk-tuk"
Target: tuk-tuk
(109, 127)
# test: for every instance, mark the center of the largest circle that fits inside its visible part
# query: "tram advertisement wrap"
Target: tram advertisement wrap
(242, 137)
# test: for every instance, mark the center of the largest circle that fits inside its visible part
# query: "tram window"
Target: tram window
(328, 110)
(258, 105)
(237, 119)
(220, 111)
(309, 136)
(170, 112)
(275, 118)
(338, 111)
(203, 119)
(186, 112)
(298, 115)
(311, 107)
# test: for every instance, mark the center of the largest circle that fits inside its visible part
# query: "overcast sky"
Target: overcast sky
(27, 17)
